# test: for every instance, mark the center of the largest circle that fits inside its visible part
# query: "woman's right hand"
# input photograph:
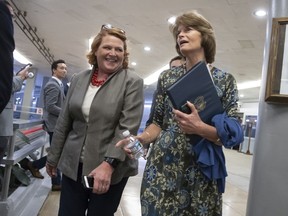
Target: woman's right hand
(123, 144)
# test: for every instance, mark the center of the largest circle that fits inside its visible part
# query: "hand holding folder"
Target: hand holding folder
(197, 87)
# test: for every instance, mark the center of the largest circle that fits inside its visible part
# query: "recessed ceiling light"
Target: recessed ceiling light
(260, 13)
(172, 19)
(241, 95)
(133, 63)
(147, 48)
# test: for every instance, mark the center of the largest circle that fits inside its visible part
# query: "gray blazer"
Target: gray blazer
(117, 106)
(6, 117)
(53, 101)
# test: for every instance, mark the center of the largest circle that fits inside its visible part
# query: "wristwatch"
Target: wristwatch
(112, 161)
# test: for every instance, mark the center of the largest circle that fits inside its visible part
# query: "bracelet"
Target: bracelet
(149, 136)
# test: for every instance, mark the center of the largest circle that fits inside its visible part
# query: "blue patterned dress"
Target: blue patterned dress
(173, 184)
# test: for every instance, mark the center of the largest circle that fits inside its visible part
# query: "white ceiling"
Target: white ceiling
(66, 26)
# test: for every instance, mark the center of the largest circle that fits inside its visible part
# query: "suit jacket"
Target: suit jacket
(53, 101)
(7, 46)
(6, 117)
(117, 106)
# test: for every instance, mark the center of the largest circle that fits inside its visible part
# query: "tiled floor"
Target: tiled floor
(234, 202)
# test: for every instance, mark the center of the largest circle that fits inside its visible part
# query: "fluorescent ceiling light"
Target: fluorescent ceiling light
(133, 63)
(147, 106)
(249, 84)
(20, 58)
(154, 77)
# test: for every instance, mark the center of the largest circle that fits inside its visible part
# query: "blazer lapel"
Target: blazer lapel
(82, 85)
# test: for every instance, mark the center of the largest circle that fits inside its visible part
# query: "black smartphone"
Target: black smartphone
(27, 65)
(88, 181)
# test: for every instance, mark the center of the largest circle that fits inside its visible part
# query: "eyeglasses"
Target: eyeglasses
(108, 26)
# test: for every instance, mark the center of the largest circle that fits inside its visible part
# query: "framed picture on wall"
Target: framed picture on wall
(277, 75)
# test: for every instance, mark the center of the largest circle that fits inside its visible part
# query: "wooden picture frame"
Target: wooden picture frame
(277, 75)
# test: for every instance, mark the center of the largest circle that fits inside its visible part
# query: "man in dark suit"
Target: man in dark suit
(7, 47)
(53, 101)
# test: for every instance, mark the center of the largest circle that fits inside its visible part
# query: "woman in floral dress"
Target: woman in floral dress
(175, 181)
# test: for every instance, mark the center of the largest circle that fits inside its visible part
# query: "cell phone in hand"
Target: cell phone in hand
(88, 181)
(27, 65)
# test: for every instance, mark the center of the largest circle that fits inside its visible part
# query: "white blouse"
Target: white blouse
(90, 94)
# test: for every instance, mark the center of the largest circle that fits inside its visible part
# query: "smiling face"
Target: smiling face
(61, 71)
(110, 54)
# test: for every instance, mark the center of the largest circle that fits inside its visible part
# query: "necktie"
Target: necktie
(62, 89)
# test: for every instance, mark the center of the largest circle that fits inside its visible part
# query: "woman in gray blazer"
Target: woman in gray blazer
(101, 103)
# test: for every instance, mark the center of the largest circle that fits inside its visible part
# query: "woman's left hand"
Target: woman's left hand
(102, 178)
(189, 123)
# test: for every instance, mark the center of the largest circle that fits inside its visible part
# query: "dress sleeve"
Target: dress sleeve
(157, 107)
(229, 90)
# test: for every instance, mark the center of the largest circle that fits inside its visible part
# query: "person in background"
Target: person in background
(180, 178)
(176, 62)
(101, 104)
(7, 46)
(6, 117)
(173, 63)
(53, 102)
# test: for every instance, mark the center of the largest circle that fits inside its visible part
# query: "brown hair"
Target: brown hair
(176, 58)
(92, 59)
(198, 22)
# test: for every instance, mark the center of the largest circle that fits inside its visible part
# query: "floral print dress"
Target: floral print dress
(172, 183)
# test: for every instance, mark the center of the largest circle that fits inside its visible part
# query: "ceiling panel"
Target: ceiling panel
(67, 25)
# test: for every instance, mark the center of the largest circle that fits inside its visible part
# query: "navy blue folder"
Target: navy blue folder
(197, 87)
